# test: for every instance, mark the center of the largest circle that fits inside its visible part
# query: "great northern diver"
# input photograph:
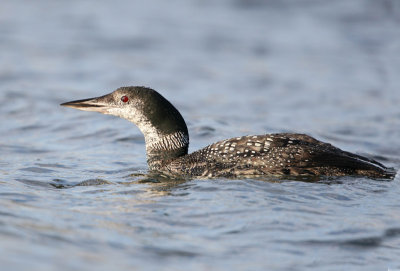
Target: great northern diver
(167, 141)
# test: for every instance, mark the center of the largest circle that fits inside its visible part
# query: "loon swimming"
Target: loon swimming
(167, 141)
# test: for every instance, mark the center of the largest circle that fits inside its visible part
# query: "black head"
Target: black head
(143, 106)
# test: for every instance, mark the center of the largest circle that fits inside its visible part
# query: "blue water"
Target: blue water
(74, 189)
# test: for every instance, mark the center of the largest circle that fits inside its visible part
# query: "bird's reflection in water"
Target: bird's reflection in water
(158, 183)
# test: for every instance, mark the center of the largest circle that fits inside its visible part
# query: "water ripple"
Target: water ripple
(37, 170)
(359, 242)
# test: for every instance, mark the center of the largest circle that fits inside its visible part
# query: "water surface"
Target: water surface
(74, 188)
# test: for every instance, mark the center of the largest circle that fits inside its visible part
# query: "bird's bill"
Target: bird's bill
(93, 104)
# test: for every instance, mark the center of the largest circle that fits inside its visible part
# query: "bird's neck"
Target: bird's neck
(164, 130)
(163, 148)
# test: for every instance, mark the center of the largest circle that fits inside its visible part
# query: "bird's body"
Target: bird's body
(167, 142)
(274, 154)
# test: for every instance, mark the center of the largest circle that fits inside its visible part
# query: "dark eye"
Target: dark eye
(124, 99)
